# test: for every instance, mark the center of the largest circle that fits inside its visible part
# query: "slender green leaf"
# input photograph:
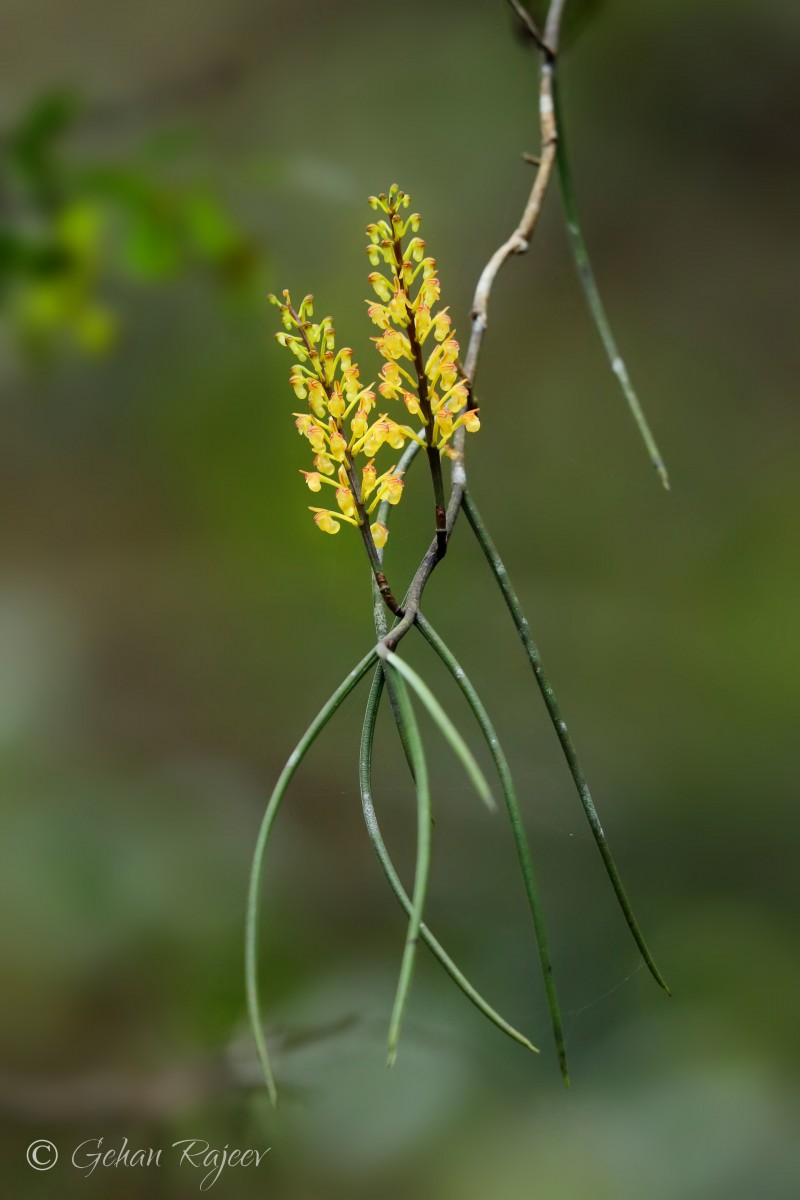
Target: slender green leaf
(446, 726)
(560, 726)
(256, 870)
(421, 870)
(517, 828)
(586, 275)
(373, 829)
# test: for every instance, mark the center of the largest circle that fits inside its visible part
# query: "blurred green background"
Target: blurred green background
(170, 620)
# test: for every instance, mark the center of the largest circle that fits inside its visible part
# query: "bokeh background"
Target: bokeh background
(170, 620)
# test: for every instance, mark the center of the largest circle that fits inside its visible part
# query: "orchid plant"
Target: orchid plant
(431, 405)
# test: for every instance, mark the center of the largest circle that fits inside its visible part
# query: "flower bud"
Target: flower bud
(381, 285)
(380, 534)
(358, 423)
(323, 464)
(336, 404)
(368, 479)
(326, 521)
(344, 498)
(338, 447)
(392, 489)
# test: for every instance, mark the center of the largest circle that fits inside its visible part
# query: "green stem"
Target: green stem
(549, 697)
(251, 929)
(421, 871)
(517, 828)
(395, 684)
(586, 275)
(373, 829)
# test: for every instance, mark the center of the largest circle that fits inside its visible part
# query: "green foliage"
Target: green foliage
(71, 232)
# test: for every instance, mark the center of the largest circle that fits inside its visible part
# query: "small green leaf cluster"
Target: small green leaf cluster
(70, 230)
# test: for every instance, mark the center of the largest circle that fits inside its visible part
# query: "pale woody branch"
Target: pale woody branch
(517, 243)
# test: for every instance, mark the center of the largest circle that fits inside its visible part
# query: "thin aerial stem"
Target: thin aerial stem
(394, 683)
(379, 612)
(254, 888)
(381, 582)
(560, 726)
(373, 829)
(552, 27)
(432, 557)
(517, 828)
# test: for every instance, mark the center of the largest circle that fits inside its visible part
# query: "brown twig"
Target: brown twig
(529, 25)
(517, 243)
(413, 597)
(520, 239)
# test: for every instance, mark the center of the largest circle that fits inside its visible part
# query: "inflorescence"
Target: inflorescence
(341, 425)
